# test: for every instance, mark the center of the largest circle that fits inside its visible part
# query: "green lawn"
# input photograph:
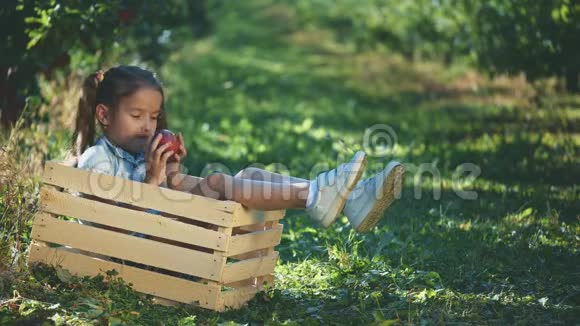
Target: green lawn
(265, 90)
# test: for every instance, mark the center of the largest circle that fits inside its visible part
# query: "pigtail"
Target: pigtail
(84, 134)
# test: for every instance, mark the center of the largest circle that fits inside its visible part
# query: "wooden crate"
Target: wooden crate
(228, 248)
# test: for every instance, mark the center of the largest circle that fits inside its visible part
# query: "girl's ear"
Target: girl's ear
(103, 115)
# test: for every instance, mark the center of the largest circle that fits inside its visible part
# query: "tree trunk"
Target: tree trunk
(11, 103)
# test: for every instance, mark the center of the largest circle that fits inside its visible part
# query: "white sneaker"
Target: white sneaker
(332, 189)
(372, 196)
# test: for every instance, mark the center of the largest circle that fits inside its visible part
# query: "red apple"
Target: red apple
(168, 137)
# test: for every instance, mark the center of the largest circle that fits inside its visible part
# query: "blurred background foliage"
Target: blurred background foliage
(292, 86)
(537, 38)
(48, 37)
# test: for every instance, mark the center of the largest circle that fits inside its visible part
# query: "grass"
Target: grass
(266, 90)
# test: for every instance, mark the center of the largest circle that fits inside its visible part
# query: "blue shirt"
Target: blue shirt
(104, 157)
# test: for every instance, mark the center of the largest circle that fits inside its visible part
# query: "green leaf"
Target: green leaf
(64, 275)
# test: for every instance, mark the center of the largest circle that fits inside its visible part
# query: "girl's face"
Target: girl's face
(133, 124)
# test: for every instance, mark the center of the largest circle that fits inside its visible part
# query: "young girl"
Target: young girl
(128, 105)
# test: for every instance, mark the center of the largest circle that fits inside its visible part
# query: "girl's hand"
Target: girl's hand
(181, 152)
(174, 162)
(173, 166)
(156, 160)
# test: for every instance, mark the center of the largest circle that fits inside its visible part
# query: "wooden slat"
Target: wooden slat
(127, 247)
(128, 219)
(249, 268)
(252, 227)
(255, 281)
(253, 241)
(228, 232)
(267, 280)
(144, 281)
(252, 254)
(268, 251)
(165, 302)
(141, 194)
(237, 298)
(246, 216)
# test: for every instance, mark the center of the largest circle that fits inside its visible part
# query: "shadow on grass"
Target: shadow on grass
(509, 258)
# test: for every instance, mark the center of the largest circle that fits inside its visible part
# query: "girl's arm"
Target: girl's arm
(175, 179)
(182, 182)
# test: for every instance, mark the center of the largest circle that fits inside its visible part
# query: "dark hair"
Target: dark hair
(117, 83)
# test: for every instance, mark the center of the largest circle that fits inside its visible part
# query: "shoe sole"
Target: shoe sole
(393, 179)
(333, 212)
